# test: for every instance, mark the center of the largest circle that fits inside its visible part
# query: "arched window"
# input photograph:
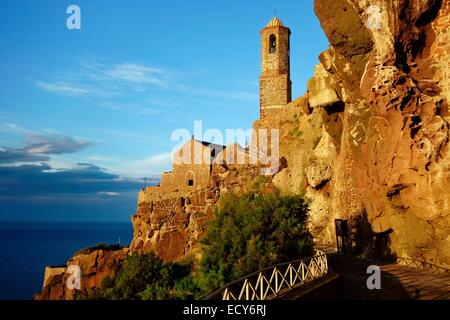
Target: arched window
(272, 43)
(190, 178)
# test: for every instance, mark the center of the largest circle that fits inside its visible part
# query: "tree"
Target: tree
(144, 276)
(250, 232)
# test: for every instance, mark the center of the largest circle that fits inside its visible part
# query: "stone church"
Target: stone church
(193, 162)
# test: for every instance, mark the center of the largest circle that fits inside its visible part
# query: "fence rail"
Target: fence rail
(418, 264)
(273, 281)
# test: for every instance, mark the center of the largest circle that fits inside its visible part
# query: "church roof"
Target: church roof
(211, 145)
(275, 22)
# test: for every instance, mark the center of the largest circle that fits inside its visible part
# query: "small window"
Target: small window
(183, 202)
(190, 182)
(272, 43)
(213, 153)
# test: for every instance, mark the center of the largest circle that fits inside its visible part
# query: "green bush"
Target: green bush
(187, 288)
(250, 232)
(144, 276)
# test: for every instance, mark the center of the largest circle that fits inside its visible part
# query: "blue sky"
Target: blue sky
(84, 114)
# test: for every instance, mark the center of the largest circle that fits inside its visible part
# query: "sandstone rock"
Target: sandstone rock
(321, 89)
(173, 231)
(318, 173)
(391, 160)
(343, 26)
(95, 266)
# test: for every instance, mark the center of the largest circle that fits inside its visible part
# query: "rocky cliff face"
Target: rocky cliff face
(375, 146)
(172, 223)
(94, 265)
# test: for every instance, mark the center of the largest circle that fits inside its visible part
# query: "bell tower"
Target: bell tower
(275, 81)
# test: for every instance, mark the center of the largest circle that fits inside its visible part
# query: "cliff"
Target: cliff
(368, 142)
(381, 122)
(95, 266)
(172, 222)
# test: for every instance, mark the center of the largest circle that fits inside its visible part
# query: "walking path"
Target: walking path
(397, 282)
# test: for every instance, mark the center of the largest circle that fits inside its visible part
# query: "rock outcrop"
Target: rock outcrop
(171, 223)
(94, 266)
(375, 147)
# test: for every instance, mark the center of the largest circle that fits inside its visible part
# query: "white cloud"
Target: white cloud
(63, 88)
(151, 166)
(154, 161)
(61, 163)
(12, 127)
(136, 73)
(133, 109)
(108, 80)
(108, 193)
(125, 77)
(97, 158)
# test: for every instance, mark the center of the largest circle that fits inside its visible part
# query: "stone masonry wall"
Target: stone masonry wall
(275, 83)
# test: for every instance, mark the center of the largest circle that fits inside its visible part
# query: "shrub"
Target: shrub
(144, 276)
(250, 232)
(187, 288)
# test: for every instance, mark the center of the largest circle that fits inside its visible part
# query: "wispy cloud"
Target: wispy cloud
(108, 193)
(139, 110)
(136, 73)
(63, 88)
(151, 166)
(108, 80)
(97, 158)
(153, 161)
(12, 127)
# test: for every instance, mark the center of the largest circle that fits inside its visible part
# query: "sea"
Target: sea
(27, 247)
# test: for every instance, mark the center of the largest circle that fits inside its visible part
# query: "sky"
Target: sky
(86, 114)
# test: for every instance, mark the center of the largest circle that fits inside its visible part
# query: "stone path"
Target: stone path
(397, 282)
(420, 284)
